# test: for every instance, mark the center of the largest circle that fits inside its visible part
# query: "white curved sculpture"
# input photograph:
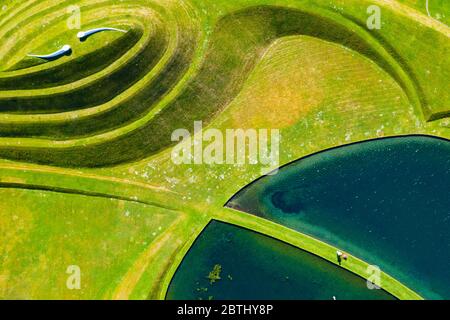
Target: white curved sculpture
(85, 34)
(65, 49)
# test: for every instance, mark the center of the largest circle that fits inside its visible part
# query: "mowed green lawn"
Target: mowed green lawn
(438, 9)
(310, 69)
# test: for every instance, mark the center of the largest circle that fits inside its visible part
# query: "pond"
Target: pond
(385, 201)
(228, 262)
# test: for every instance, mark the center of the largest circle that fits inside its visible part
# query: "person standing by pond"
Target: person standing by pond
(339, 257)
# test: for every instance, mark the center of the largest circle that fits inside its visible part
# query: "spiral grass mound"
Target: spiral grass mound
(120, 101)
(96, 123)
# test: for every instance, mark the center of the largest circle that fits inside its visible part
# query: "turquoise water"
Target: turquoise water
(254, 266)
(386, 201)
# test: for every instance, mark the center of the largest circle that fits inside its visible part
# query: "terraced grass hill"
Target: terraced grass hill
(85, 140)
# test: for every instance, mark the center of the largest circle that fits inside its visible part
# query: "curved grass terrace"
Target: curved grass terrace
(85, 140)
(301, 241)
(75, 70)
(248, 265)
(223, 71)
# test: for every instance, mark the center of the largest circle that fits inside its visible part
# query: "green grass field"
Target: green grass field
(86, 176)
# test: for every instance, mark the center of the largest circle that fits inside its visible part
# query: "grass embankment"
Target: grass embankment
(317, 103)
(301, 241)
(76, 69)
(417, 57)
(46, 232)
(125, 107)
(227, 63)
(95, 92)
(21, 28)
(67, 193)
(110, 227)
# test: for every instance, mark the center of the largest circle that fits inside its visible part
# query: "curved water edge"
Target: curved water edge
(254, 266)
(382, 200)
(229, 56)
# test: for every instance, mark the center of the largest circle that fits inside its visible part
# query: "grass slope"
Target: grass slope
(335, 83)
(226, 65)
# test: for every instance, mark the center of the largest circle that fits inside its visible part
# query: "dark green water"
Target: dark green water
(386, 201)
(255, 266)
